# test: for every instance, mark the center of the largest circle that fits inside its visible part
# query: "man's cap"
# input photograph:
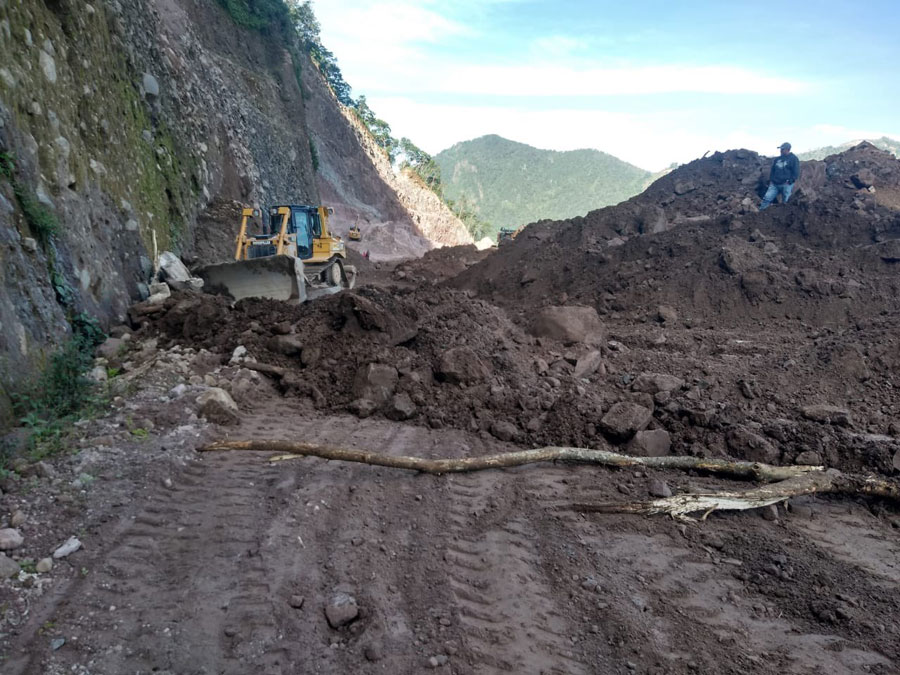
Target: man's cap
(784, 146)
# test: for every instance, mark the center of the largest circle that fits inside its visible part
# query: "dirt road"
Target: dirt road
(229, 568)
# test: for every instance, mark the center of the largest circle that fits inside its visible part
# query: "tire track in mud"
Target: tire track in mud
(509, 618)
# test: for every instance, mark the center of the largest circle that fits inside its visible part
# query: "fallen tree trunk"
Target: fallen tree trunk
(819, 482)
(782, 482)
(735, 469)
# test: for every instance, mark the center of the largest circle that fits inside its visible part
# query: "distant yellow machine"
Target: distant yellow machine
(297, 259)
(507, 234)
(354, 234)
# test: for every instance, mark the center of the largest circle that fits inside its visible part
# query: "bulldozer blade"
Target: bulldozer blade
(279, 277)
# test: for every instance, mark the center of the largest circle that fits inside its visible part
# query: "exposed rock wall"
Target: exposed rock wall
(129, 120)
(399, 217)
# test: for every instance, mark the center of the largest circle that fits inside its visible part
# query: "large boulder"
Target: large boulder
(461, 365)
(217, 406)
(10, 538)
(375, 382)
(176, 274)
(624, 420)
(569, 324)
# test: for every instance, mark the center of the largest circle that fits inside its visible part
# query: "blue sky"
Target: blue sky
(651, 82)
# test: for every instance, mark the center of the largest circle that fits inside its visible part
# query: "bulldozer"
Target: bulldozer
(296, 259)
(354, 234)
(506, 235)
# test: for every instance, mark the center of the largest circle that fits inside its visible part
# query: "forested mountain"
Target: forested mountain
(508, 184)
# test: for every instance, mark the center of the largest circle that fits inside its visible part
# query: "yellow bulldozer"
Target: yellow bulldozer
(296, 259)
(354, 234)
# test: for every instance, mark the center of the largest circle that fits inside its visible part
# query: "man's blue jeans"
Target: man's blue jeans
(772, 193)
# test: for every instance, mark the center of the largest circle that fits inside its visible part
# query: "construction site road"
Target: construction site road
(237, 565)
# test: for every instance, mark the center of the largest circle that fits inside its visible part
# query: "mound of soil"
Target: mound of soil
(696, 242)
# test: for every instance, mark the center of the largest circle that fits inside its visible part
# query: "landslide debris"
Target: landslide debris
(763, 336)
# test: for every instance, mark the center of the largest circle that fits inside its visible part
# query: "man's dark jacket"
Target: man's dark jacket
(785, 169)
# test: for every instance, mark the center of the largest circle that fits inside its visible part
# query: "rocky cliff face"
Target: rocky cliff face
(398, 215)
(124, 122)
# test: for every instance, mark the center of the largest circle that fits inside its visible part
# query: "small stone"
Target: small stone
(769, 512)
(231, 631)
(17, 519)
(438, 661)
(296, 601)
(151, 86)
(10, 539)
(71, 545)
(588, 364)
(8, 567)
(666, 314)
(590, 584)
(659, 488)
(341, 610)
(373, 652)
(30, 245)
(400, 407)
(827, 414)
(48, 66)
(44, 565)
(808, 458)
(56, 643)
(363, 407)
(504, 431)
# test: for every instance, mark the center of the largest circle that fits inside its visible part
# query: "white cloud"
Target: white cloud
(651, 141)
(557, 46)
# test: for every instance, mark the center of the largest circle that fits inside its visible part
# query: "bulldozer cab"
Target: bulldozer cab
(303, 225)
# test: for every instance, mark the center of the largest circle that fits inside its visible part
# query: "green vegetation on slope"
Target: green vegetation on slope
(509, 184)
(883, 143)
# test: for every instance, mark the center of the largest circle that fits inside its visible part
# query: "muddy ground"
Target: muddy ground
(726, 331)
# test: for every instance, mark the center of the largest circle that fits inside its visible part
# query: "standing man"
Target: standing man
(785, 172)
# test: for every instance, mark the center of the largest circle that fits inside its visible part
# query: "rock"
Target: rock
(151, 86)
(400, 407)
(653, 383)
(98, 374)
(174, 273)
(110, 349)
(896, 461)
(217, 406)
(650, 443)
(747, 445)
(341, 610)
(363, 407)
(588, 364)
(238, 355)
(769, 512)
(310, 356)
(666, 314)
(375, 382)
(438, 661)
(8, 567)
(10, 538)
(504, 431)
(44, 565)
(48, 66)
(864, 178)
(289, 345)
(460, 365)
(682, 187)
(296, 601)
(30, 245)
(17, 519)
(569, 324)
(178, 391)
(624, 420)
(71, 545)
(57, 643)
(808, 458)
(827, 414)
(373, 652)
(659, 488)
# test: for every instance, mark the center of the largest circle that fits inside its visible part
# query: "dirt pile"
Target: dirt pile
(696, 242)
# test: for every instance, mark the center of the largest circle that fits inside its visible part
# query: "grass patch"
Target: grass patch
(42, 223)
(61, 394)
